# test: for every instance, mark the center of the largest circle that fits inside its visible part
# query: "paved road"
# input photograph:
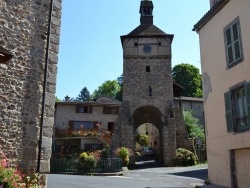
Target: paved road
(161, 177)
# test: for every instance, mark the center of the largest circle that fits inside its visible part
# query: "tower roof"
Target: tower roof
(146, 30)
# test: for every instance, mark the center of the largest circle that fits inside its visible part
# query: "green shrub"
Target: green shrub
(193, 128)
(184, 157)
(104, 153)
(86, 162)
(123, 153)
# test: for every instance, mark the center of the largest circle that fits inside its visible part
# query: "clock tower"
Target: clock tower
(147, 85)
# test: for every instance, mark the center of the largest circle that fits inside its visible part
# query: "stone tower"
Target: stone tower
(147, 85)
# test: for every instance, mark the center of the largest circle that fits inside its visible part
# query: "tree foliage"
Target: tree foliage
(193, 128)
(142, 139)
(109, 88)
(119, 93)
(84, 95)
(188, 76)
(57, 99)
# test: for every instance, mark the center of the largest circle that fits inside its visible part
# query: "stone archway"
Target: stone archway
(150, 115)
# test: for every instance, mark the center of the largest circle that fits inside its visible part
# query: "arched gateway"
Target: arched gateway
(147, 85)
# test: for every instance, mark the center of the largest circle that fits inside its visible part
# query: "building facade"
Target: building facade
(84, 126)
(225, 60)
(29, 42)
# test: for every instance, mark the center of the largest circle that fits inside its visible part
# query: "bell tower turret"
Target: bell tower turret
(146, 11)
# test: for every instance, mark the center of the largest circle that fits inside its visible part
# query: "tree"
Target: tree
(119, 93)
(193, 128)
(109, 88)
(189, 77)
(57, 99)
(84, 95)
(142, 139)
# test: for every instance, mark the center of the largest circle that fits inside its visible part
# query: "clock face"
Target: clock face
(147, 49)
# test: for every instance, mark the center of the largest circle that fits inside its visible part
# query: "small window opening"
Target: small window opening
(5, 56)
(148, 12)
(147, 68)
(136, 44)
(150, 91)
(159, 43)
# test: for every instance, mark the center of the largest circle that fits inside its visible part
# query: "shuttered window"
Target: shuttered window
(233, 45)
(247, 87)
(237, 106)
(110, 110)
(84, 109)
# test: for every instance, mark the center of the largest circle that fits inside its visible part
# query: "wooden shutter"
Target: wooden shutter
(228, 108)
(236, 39)
(90, 109)
(105, 110)
(117, 110)
(247, 88)
(77, 109)
(229, 45)
(233, 45)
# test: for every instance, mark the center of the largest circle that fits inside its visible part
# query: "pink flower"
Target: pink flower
(4, 163)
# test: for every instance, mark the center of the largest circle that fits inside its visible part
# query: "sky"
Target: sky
(90, 50)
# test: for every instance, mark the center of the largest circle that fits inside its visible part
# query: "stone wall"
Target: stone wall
(195, 105)
(182, 138)
(24, 32)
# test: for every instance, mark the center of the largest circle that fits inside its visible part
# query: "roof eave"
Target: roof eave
(209, 15)
(147, 36)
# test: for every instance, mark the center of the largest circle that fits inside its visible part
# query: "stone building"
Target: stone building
(84, 125)
(225, 62)
(148, 93)
(29, 42)
(192, 104)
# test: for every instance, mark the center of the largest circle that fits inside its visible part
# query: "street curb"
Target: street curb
(124, 172)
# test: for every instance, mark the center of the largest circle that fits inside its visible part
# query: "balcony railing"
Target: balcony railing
(102, 134)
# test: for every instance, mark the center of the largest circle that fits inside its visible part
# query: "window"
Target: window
(237, 105)
(84, 109)
(147, 68)
(232, 35)
(110, 110)
(150, 91)
(111, 126)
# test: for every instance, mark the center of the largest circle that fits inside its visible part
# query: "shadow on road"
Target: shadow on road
(200, 174)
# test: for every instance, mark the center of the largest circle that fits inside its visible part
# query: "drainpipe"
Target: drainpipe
(44, 89)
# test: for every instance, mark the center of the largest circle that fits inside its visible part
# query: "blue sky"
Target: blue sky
(90, 49)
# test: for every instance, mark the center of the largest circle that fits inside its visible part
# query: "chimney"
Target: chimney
(213, 2)
(67, 98)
